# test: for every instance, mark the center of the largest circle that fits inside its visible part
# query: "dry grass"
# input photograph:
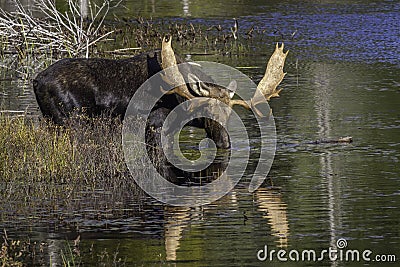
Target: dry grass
(46, 152)
(62, 169)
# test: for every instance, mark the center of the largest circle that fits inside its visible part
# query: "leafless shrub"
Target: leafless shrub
(63, 32)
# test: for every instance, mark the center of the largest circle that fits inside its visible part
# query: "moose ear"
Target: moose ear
(200, 88)
(232, 87)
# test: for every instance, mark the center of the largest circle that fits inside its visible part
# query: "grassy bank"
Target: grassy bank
(44, 152)
(60, 170)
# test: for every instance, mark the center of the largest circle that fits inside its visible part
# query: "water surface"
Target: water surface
(343, 80)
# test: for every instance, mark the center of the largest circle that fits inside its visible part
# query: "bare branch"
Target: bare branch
(65, 32)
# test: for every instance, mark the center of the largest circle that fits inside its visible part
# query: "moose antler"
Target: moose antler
(267, 87)
(172, 75)
(273, 74)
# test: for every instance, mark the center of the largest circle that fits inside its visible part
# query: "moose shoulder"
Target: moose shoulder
(105, 86)
(94, 85)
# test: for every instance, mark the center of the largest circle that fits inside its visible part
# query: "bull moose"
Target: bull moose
(95, 86)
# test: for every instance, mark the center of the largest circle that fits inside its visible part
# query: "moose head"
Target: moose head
(266, 89)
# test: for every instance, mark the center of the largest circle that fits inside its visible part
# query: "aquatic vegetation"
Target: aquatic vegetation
(25, 252)
(15, 252)
(52, 168)
(45, 152)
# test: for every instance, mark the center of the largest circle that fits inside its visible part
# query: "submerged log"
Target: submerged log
(347, 139)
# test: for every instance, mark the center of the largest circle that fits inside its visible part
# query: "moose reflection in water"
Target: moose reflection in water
(269, 202)
(182, 225)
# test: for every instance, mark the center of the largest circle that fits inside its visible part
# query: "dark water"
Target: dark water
(343, 80)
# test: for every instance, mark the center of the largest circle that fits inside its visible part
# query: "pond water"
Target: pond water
(343, 80)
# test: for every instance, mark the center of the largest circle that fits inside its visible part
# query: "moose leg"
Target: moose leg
(49, 103)
(154, 126)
